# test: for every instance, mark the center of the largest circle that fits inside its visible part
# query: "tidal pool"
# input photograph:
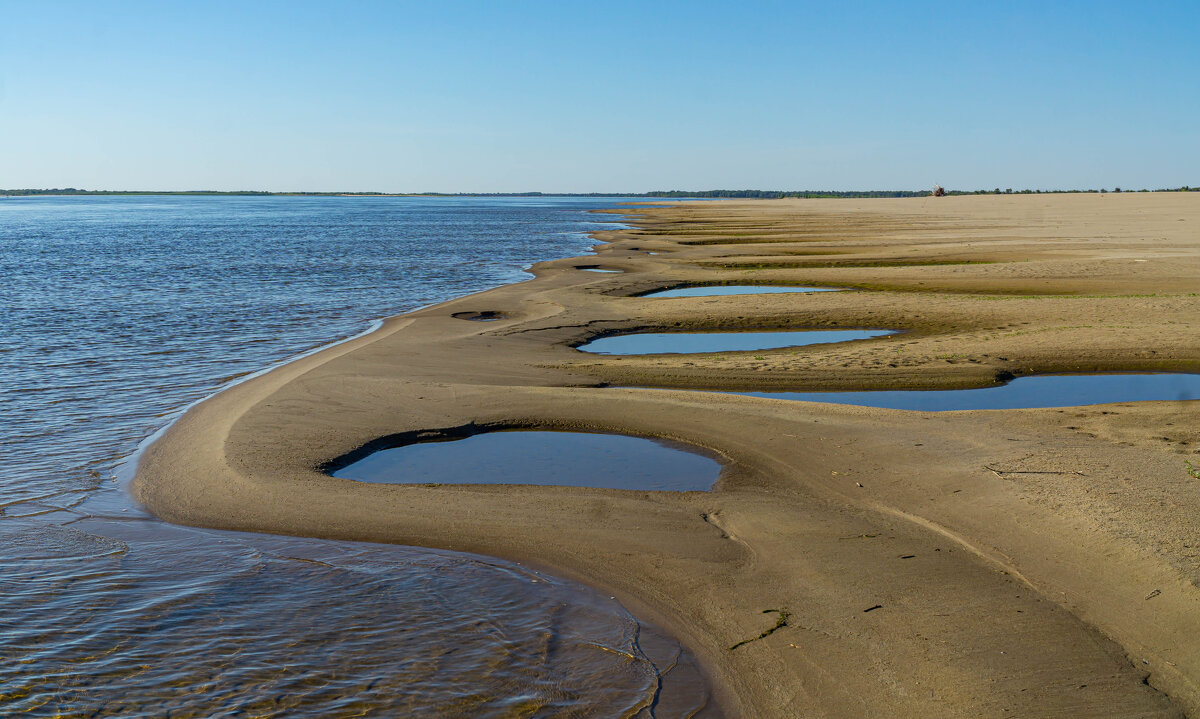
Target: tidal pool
(599, 269)
(690, 342)
(719, 290)
(573, 459)
(1022, 393)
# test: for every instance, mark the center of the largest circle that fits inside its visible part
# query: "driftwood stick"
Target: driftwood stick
(998, 472)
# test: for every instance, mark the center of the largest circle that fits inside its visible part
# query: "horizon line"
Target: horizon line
(668, 194)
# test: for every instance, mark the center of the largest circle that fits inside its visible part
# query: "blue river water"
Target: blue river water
(118, 312)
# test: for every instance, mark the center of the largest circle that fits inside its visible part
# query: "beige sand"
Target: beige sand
(1024, 563)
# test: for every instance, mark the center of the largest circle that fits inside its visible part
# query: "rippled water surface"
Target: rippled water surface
(119, 311)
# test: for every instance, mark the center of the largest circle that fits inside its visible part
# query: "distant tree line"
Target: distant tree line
(262, 193)
(753, 194)
(74, 191)
(1010, 191)
(779, 194)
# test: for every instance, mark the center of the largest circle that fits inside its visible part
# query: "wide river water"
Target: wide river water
(116, 312)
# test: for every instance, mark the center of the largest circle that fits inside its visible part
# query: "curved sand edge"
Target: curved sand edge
(972, 567)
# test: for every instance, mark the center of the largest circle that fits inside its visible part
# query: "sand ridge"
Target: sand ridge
(1032, 562)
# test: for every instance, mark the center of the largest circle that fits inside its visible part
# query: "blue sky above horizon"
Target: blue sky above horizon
(579, 97)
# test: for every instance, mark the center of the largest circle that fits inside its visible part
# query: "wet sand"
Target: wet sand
(988, 563)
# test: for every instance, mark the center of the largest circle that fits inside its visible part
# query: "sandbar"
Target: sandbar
(850, 561)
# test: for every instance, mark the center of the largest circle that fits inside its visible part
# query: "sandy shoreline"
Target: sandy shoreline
(1029, 562)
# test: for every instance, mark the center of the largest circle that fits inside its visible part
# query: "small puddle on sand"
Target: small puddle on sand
(720, 290)
(691, 342)
(1022, 393)
(573, 459)
(481, 316)
(599, 269)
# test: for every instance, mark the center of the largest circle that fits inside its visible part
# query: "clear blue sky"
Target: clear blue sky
(612, 96)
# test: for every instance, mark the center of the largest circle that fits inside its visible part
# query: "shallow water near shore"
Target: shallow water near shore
(692, 342)
(1022, 393)
(119, 311)
(574, 459)
(723, 290)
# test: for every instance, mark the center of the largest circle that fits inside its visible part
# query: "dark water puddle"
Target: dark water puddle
(572, 459)
(481, 316)
(689, 342)
(1021, 393)
(718, 290)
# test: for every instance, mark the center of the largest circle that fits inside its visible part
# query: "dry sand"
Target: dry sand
(1004, 563)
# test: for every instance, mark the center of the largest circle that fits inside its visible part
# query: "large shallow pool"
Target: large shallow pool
(575, 459)
(691, 342)
(1021, 393)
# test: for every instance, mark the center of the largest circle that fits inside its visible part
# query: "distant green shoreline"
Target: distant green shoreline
(753, 194)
